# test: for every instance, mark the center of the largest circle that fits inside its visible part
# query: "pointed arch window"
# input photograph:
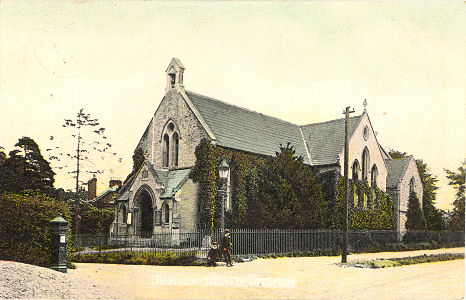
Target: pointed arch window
(411, 186)
(175, 146)
(170, 144)
(165, 150)
(123, 214)
(365, 164)
(355, 170)
(166, 213)
(374, 175)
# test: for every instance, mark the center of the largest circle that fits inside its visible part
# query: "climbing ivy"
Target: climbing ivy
(260, 184)
(205, 172)
(368, 208)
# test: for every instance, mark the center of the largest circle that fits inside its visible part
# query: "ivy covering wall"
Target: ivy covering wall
(282, 192)
(368, 208)
(205, 172)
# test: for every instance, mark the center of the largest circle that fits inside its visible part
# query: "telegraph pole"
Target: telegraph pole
(344, 249)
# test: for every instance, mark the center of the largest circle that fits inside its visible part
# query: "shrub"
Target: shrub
(93, 220)
(414, 218)
(25, 231)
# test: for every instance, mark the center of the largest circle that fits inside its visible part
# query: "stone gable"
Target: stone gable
(173, 107)
(357, 145)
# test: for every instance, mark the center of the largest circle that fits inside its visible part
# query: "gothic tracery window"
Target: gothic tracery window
(170, 145)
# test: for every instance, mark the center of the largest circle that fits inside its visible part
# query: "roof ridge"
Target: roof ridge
(243, 108)
(358, 116)
(401, 158)
(181, 168)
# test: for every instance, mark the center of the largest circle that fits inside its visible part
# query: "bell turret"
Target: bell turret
(174, 75)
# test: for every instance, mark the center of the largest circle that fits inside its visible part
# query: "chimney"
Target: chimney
(92, 188)
(114, 182)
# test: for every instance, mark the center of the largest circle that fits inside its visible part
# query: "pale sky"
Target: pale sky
(303, 62)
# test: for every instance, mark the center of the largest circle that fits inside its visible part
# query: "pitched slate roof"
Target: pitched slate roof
(172, 180)
(242, 129)
(396, 169)
(104, 193)
(325, 140)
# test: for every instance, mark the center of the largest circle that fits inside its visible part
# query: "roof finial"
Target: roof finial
(365, 104)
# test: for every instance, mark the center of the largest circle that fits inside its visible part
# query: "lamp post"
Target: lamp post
(223, 171)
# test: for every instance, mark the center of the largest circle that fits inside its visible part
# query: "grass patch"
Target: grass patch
(408, 247)
(396, 262)
(142, 258)
(337, 252)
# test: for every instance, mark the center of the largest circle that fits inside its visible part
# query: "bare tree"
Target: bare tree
(91, 145)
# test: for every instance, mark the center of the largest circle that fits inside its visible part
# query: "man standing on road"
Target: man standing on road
(226, 246)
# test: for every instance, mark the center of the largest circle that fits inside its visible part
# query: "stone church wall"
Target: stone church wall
(187, 205)
(357, 145)
(400, 195)
(411, 172)
(191, 131)
(146, 140)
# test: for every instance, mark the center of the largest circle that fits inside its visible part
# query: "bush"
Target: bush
(25, 231)
(93, 220)
(414, 218)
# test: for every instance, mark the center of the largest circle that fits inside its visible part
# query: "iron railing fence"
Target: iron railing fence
(439, 237)
(258, 241)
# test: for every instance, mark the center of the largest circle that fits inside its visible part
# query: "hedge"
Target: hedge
(25, 231)
(141, 258)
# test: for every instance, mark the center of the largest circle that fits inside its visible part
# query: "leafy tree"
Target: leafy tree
(414, 218)
(91, 144)
(25, 231)
(291, 194)
(457, 180)
(26, 169)
(2, 155)
(394, 154)
(94, 220)
(138, 160)
(432, 214)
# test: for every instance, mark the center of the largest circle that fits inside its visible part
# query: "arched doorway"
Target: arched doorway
(146, 225)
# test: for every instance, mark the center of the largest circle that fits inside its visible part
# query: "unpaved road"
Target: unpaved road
(290, 278)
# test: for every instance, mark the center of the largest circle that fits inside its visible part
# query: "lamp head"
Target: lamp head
(223, 169)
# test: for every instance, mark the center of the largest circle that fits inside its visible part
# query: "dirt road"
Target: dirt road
(291, 278)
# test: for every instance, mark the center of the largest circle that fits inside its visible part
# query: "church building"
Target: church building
(161, 196)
